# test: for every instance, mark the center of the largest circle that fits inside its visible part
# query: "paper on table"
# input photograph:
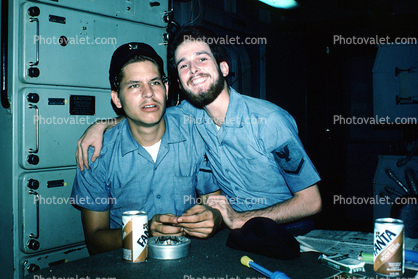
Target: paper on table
(346, 242)
(342, 242)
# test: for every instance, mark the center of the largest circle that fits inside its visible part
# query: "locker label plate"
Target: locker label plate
(56, 101)
(55, 183)
(57, 19)
(82, 105)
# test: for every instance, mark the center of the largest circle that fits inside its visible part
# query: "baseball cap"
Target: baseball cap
(127, 51)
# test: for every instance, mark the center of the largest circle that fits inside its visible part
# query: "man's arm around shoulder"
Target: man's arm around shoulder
(93, 137)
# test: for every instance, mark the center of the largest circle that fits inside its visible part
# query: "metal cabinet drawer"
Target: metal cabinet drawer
(48, 220)
(73, 48)
(51, 127)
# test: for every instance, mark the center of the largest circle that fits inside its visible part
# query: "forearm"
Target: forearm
(303, 204)
(110, 123)
(104, 240)
(284, 212)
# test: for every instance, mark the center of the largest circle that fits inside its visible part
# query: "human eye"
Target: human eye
(182, 66)
(133, 85)
(156, 82)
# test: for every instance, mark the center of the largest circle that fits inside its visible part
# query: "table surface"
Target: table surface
(208, 259)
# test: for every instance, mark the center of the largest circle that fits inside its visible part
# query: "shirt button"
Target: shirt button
(158, 197)
(250, 205)
(236, 188)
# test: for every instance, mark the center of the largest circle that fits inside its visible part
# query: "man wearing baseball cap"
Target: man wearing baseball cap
(151, 161)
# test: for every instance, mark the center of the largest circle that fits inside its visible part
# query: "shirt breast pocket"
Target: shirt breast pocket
(256, 173)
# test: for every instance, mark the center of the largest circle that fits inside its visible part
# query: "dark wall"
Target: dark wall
(315, 78)
(338, 80)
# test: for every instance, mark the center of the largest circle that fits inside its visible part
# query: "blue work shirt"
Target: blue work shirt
(256, 155)
(125, 177)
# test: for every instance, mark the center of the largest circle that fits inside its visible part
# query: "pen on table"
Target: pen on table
(272, 275)
(411, 256)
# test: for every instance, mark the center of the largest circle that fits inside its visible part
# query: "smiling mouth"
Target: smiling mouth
(198, 80)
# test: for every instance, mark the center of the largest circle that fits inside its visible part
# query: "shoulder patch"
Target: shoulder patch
(289, 157)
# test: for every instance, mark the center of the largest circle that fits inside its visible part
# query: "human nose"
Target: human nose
(147, 92)
(194, 68)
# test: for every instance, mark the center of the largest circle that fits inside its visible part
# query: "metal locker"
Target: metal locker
(55, 62)
(32, 263)
(53, 119)
(145, 11)
(73, 48)
(48, 219)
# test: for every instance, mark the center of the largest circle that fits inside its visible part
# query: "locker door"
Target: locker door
(146, 11)
(48, 219)
(73, 48)
(52, 121)
(35, 262)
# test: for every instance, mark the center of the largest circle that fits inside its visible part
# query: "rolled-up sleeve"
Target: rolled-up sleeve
(90, 190)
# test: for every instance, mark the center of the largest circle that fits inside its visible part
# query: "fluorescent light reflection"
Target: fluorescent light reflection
(283, 4)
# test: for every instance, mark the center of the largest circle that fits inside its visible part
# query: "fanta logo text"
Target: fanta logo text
(382, 240)
(144, 237)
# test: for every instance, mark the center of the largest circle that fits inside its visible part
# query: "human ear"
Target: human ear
(179, 83)
(224, 68)
(166, 89)
(115, 99)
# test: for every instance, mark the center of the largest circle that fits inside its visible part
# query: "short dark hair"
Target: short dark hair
(137, 58)
(197, 33)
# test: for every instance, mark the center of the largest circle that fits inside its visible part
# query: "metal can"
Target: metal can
(389, 247)
(135, 235)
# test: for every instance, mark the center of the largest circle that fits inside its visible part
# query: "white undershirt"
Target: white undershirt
(153, 150)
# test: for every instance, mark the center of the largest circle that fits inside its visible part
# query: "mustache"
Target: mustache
(149, 101)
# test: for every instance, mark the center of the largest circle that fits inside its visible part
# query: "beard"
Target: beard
(204, 98)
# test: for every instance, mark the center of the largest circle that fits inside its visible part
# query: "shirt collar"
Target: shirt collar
(173, 134)
(128, 142)
(233, 116)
